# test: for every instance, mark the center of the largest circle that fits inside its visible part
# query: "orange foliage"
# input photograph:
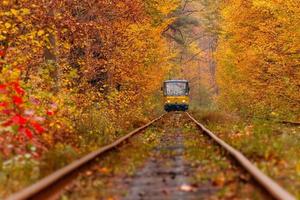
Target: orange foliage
(258, 57)
(85, 55)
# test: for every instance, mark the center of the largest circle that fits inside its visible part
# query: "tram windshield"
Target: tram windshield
(176, 88)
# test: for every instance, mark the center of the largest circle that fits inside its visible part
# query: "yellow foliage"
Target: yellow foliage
(258, 55)
(111, 61)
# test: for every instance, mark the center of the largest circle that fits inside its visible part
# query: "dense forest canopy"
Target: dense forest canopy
(258, 58)
(63, 61)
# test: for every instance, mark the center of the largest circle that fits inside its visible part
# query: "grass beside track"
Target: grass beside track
(214, 167)
(272, 146)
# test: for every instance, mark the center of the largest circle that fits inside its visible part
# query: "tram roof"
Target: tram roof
(174, 81)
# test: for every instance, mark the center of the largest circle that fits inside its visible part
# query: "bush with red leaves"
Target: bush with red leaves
(2, 53)
(19, 126)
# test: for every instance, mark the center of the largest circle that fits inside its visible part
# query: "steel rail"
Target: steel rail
(289, 123)
(50, 180)
(266, 182)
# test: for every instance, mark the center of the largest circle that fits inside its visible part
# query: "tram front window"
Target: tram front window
(176, 89)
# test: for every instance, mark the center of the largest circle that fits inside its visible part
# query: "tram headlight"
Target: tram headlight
(168, 101)
(183, 101)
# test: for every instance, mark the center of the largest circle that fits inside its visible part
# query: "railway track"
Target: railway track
(47, 187)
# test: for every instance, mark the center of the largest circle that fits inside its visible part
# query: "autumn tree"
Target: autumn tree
(78, 59)
(258, 57)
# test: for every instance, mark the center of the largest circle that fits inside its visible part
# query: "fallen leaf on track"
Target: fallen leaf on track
(219, 180)
(187, 188)
(88, 173)
(103, 170)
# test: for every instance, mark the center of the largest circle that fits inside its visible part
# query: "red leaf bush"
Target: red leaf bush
(19, 126)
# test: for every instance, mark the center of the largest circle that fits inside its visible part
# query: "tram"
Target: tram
(176, 95)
